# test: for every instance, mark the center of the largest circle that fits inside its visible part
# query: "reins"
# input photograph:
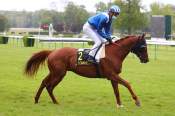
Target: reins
(116, 44)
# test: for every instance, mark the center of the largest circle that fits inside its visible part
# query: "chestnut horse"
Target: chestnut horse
(60, 61)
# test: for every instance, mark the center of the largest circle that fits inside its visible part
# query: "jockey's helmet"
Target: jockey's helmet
(115, 9)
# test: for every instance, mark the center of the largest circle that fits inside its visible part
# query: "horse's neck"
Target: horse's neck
(124, 47)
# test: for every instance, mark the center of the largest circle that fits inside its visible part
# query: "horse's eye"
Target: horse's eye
(141, 49)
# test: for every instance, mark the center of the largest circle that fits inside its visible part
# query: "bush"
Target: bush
(28, 42)
(3, 40)
(91, 43)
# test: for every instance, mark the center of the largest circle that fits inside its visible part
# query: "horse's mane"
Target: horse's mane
(124, 38)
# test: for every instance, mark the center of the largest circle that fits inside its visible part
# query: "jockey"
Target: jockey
(98, 28)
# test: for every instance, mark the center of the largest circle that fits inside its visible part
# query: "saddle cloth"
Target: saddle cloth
(83, 55)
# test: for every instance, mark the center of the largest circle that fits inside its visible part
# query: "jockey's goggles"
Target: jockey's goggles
(116, 13)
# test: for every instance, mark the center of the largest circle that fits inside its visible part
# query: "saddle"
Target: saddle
(82, 56)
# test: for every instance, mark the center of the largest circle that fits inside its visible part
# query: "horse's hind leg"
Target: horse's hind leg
(42, 86)
(57, 72)
(49, 82)
(54, 80)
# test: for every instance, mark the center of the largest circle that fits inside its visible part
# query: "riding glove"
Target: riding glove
(109, 39)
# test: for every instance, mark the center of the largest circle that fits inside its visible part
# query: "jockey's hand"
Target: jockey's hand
(110, 41)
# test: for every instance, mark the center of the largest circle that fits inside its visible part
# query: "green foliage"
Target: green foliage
(75, 17)
(71, 19)
(101, 7)
(28, 42)
(58, 21)
(131, 19)
(161, 9)
(91, 43)
(3, 40)
(3, 23)
(48, 16)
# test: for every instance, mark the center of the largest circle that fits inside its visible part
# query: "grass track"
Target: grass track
(152, 82)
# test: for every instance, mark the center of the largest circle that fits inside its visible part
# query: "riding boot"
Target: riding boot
(91, 59)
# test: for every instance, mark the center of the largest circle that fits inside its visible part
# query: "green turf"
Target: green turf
(78, 96)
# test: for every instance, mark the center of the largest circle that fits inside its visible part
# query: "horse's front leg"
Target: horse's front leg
(116, 92)
(127, 85)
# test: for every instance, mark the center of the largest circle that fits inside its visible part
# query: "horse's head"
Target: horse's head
(140, 49)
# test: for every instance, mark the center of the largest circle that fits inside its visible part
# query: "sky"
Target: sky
(33, 5)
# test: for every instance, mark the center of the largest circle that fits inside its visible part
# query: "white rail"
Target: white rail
(153, 41)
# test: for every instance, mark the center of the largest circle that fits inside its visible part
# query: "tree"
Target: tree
(58, 21)
(75, 17)
(45, 16)
(100, 7)
(131, 19)
(156, 8)
(162, 9)
(3, 23)
(69, 16)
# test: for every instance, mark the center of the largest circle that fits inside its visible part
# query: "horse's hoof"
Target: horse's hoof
(138, 103)
(36, 102)
(56, 103)
(120, 106)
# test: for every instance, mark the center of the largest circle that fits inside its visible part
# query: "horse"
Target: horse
(61, 60)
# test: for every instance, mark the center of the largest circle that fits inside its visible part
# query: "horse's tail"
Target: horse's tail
(35, 61)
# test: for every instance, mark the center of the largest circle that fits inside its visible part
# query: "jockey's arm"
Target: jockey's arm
(108, 31)
(100, 28)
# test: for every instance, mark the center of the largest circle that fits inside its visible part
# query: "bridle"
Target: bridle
(116, 44)
(139, 45)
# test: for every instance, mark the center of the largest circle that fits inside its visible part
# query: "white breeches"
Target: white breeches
(92, 33)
